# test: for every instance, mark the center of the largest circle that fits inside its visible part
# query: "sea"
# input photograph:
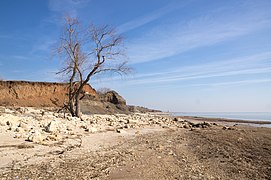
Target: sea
(253, 116)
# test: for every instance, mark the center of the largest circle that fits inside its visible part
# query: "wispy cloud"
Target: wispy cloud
(20, 57)
(64, 7)
(248, 65)
(43, 44)
(67, 5)
(140, 21)
(212, 85)
(196, 76)
(14, 36)
(257, 64)
(239, 83)
(5, 36)
(169, 40)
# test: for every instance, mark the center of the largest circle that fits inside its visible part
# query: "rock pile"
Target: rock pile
(44, 126)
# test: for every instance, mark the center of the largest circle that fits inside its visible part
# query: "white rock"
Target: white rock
(53, 126)
(2, 123)
(92, 129)
(73, 119)
(2, 110)
(23, 125)
(10, 111)
(121, 131)
(35, 137)
(18, 136)
(19, 130)
(21, 110)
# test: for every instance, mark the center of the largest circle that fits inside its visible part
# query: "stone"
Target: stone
(175, 119)
(2, 123)
(186, 126)
(35, 137)
(19, 130)
(228, 128)
(23, 125)
(21, 110)
(92, 129)
(73, 118)
(125, 121)
(18, 136)
(52, 127)
(2, 110)
(8, 123)
(111, 124)
(121, 131)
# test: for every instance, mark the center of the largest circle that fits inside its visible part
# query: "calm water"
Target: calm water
(254, 116)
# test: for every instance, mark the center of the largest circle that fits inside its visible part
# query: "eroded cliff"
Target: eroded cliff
(35, 94)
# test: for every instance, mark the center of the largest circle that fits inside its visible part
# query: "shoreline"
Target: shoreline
(225, 120)
(215, 119)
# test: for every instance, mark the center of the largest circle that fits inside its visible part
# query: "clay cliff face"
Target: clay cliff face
(35, 94)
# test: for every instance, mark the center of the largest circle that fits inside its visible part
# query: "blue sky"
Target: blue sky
(187, 55)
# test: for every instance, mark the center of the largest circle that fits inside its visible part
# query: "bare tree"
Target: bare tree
(85, 53)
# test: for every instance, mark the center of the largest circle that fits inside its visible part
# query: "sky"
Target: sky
(186, 55)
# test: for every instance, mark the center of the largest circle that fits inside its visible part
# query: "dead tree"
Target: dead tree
(88, 52)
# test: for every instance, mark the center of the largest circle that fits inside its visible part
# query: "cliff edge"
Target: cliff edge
(35, 94)
(46, 94)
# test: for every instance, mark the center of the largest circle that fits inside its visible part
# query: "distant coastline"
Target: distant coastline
(253, 119)
(248, 116)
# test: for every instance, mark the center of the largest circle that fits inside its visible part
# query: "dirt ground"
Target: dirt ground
(238, 152)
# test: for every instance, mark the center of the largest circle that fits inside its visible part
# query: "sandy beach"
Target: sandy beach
(42, 144)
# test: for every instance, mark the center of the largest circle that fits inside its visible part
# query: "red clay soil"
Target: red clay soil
(35, 94)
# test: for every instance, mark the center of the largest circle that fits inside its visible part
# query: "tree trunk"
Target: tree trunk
(77, 106)
(71, 108)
